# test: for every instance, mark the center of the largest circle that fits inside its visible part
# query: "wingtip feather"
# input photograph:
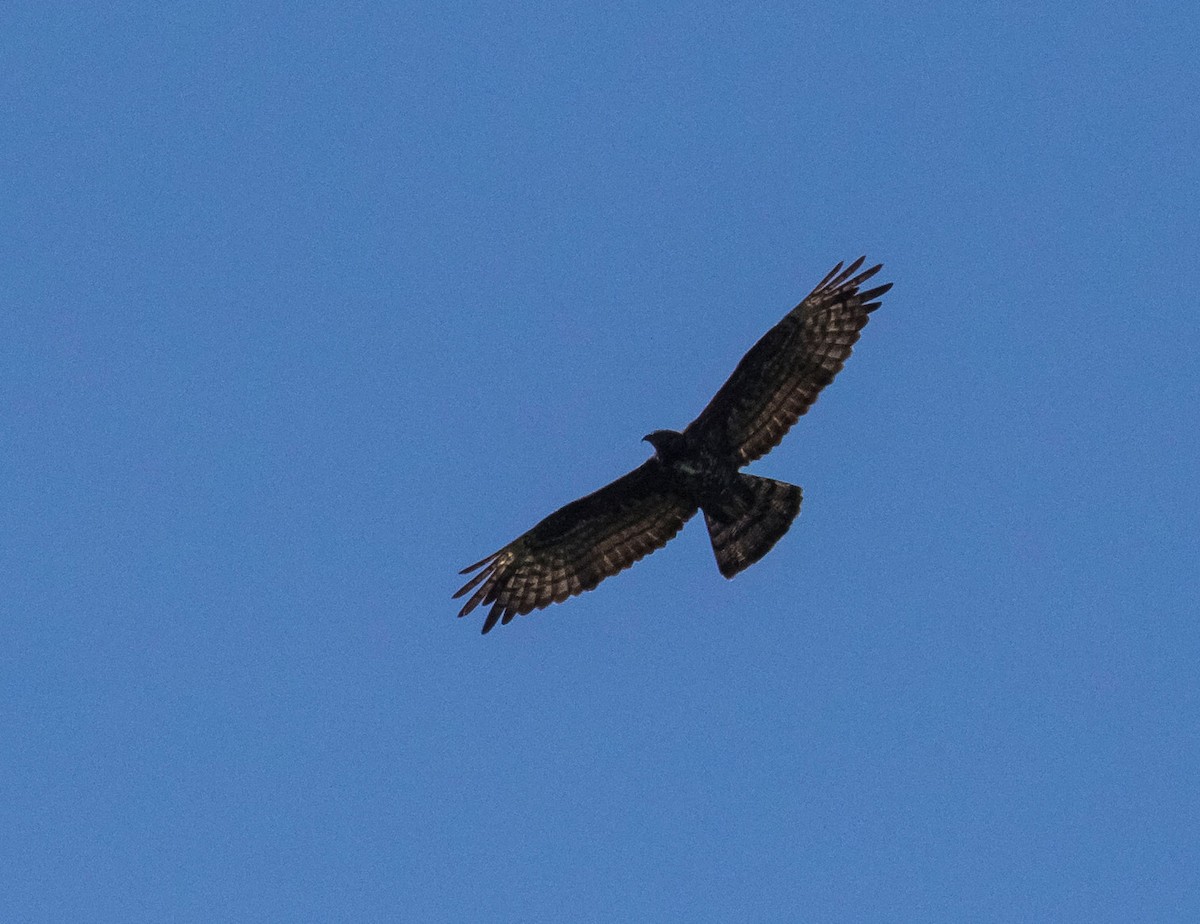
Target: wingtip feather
(833, 272)
(480, 563)
(848, 271)
(482, 575)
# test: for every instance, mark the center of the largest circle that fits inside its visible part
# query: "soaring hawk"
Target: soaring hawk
(577, 547)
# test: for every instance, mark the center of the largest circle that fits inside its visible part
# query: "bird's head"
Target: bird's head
(667, 443)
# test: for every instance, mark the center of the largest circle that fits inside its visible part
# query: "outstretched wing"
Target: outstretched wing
(779, 379)
(577, 547)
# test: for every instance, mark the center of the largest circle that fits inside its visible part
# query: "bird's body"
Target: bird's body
(702, 475)
(576, 547)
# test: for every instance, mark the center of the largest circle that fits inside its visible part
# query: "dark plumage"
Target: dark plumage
(577, 547)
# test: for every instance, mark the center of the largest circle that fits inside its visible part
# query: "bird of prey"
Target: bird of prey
(577, 547)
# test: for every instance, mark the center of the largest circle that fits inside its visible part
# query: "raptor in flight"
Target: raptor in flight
(577, 547)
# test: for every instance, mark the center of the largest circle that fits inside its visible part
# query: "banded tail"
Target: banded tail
(744, 530)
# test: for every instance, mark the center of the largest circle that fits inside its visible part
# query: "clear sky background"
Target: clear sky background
(306, 306)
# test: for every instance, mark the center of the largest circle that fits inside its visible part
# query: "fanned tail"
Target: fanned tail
(743, 533)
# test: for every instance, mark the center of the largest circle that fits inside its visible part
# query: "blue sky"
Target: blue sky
(306, 307)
